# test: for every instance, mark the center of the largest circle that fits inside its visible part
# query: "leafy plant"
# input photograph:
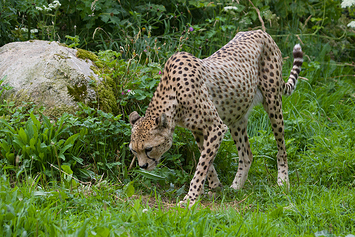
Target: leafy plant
(41, 142)
(4, 87)
(75, 41)
(8, 19)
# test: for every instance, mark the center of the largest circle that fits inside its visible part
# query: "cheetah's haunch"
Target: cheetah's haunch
(207, 96)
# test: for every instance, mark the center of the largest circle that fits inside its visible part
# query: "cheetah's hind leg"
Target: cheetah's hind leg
(240, 137)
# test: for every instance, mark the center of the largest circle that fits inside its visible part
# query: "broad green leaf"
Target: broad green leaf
(83, 132)
(35, 120)
(43, 146)
(58, 143)
(44, 135)
(66, 169)
(62, 151)
(4, 145)
(68, 172)
(276, 213)
(61, 156)
(23, 136)
(10, 157)
(27, 149)
(78, 159)
(18, 142)
(46, 121)
(100, 232)
(105, 17)
(149, 175)
(10, 214)
(71, 139)
(33, 142)
(129, 189)
(11, 129)
(6, 167)
(40, 193)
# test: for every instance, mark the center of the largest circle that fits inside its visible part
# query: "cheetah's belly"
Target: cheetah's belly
(234, 100)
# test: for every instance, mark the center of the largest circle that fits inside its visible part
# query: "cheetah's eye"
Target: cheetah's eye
(148, 149)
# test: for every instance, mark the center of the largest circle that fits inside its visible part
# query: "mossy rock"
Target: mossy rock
(50, 75)
(56, 77)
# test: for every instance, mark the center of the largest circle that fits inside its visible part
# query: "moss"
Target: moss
(84, 54)
(99, 64)
(62, 44)
(106, 95)
(61, 56)
(95, 70)
(93, 82)
(19, 98)
(56, 112)
(105, 88)
(79, 92)
(106, 99)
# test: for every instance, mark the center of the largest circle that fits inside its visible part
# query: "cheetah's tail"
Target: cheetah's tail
(290, 85)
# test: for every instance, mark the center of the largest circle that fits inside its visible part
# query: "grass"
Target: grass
(105, 210)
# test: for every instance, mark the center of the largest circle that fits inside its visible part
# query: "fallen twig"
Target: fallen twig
(131, 165)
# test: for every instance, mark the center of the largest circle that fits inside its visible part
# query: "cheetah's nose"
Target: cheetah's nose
(144, 166)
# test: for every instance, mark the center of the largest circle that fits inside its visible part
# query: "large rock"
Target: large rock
(42, 71)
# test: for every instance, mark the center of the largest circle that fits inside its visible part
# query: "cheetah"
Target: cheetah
(208, 96)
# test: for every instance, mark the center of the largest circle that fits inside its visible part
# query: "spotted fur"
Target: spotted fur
(208, 96)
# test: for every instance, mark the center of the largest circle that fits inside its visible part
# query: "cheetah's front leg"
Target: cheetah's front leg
(212, 176)
(211, 141)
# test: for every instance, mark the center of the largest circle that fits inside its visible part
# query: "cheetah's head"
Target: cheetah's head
(150, 139)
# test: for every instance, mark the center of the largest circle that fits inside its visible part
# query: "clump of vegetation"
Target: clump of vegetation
(77, 163)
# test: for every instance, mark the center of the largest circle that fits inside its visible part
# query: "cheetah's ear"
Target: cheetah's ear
(133, 117)
(162, 121)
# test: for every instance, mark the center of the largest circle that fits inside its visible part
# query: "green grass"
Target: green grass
(105, 210)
